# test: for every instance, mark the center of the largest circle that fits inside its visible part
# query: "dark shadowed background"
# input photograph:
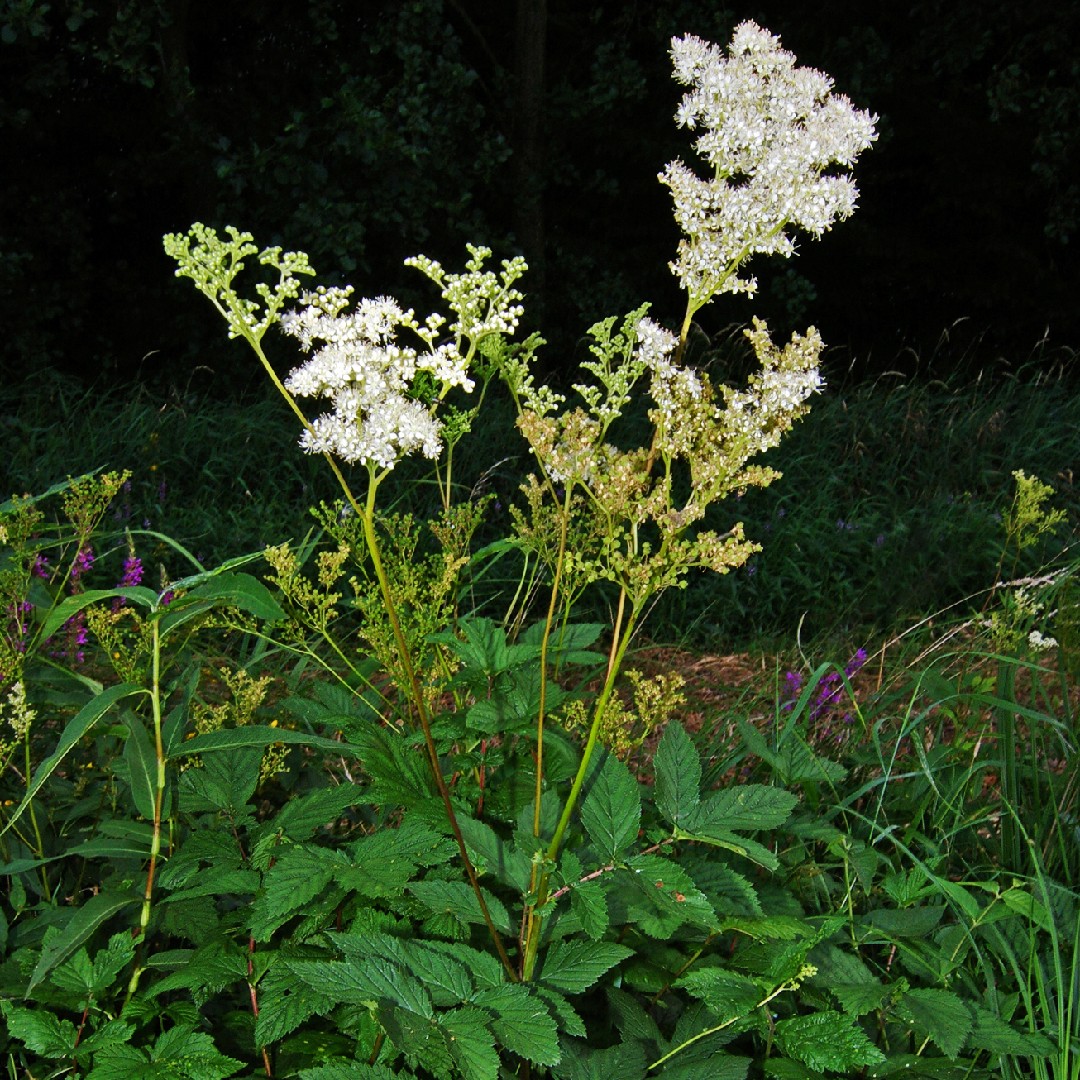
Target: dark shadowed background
(364, 132)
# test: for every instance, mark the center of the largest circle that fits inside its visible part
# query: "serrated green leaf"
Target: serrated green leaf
(566, 1016)
(39, 1031)
(912, 922)
(588, 901)
(991, 1033)
(192, 1054)
(573, 966)
(471, 1044)
(285, 1003)
(584, 1062)
(827, 1040)
(521, 1022)
(940, 1015)
(678, 775)
(209, 971)
(744, 807)
(123, 1063)
(630, 1017)
(659, 896)
(458, 899)
(299, 874)
(237, 882)
(729, 994)
(733, 842)
(494, 855)
(112, 1033)
(360, 981)
(444, 975)
(611, 810)
(484, 968)
(300, 818)
(354, 1070)
(400, 776)
(86, 920)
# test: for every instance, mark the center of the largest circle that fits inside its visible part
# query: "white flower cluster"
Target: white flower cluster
(368, 378)
(777, 396)
(770, 130)
(671, 384)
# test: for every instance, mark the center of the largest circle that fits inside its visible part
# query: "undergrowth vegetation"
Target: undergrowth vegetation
(392, 789)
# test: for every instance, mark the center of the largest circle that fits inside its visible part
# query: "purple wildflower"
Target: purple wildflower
(132, 576)
(83, 563)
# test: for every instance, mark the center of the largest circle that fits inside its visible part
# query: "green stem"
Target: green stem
(564, 525)
(39, 851)
(159, 802)
(416, 692)
(535, 920)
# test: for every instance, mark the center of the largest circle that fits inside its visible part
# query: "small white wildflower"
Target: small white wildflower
(367, 377)
(16, 710)
(671, 384)
(1041, 643)
(769, 132)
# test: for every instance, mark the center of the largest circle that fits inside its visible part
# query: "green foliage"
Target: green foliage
(342, 820)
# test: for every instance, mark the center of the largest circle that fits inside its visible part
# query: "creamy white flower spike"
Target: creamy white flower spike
(368, 378)
(769, 132)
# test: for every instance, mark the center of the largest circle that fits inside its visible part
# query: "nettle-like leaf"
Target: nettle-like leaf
(89, 979)
(491, 854)
(382, 864)
(583, 1062)
(300, 818)
(285, 1003)
(843, 974)
(457, 898)
(399, 773)
(521, 1022)
(568, 644)
(300, 874)
(354, 1070)
(574, 966)
(470, 1044)
(39, 1031)
(729, 994)
(611, 810)
(678, 776)
(991, 1033)
(657, 896)
(588, 901)
(179, 1052)
(364, 980)
(84, 922)
(940, 1015)
(744, 807)
(445, 976)
(827, 1040)
(208, 971)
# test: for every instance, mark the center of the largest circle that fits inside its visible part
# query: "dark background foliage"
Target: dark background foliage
(364, 132)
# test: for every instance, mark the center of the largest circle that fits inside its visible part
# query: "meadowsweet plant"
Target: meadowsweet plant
(462, 876)
(634, 514)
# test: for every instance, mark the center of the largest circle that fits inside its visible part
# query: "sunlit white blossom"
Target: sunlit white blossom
(769, 130)
(367, 376)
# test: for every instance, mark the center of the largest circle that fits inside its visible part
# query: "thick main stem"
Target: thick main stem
(417, 694)
(619, 644)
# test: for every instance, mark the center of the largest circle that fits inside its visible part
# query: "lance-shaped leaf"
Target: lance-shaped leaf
(611, 811)
(678, 775)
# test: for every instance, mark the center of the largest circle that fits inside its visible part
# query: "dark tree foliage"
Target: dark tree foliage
(366, 132)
